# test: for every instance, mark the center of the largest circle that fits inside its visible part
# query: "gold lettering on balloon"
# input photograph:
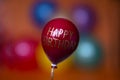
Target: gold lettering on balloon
(53, 42)
(53, 35)
(66, 44)
(65, 33)
(50, 31)
(50, 40)
(71, 34)
(59, 32)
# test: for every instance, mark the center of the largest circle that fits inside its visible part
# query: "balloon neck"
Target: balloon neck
(53, 66)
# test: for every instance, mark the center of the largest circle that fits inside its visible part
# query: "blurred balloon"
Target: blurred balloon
(85, 18)
(1, 54)
(25, 50)
(1, 58)
(60, 38)
(2, 41)
(21, 54)
(8, 56)
(43, 11)
(89, 52)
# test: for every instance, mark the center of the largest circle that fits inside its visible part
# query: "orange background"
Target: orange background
(15, 17)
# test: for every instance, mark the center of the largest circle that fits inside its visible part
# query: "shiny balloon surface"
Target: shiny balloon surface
(60, 38)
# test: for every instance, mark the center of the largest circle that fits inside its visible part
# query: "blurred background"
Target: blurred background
(21, 53)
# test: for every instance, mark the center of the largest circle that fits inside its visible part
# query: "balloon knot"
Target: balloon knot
(53, 66)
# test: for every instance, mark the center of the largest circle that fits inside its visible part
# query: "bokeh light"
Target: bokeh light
(21, 54)
(43, 11)
(89, 53)
(8, 56)
(2, 36)
(1, 46)
(1, 57)
(85, 18)
(23, 49)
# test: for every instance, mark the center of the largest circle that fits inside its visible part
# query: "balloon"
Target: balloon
(88, 53)
(44, 61)
(21, 54)
(8, 56)
(1, 44)
(85, 18)
(25, 50)
(43, 11)
(1, 54)
(60, 38)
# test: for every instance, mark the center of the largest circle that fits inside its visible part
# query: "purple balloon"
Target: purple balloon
(85, 18)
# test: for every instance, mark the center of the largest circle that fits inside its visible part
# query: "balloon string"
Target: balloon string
(53, 66)
(52, 73)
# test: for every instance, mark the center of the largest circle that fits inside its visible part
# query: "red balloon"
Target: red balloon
(25, 51)
(1, 55)
(1, 47)
(60, 38)
(1, 59)
(8, 56)
(21, 54)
